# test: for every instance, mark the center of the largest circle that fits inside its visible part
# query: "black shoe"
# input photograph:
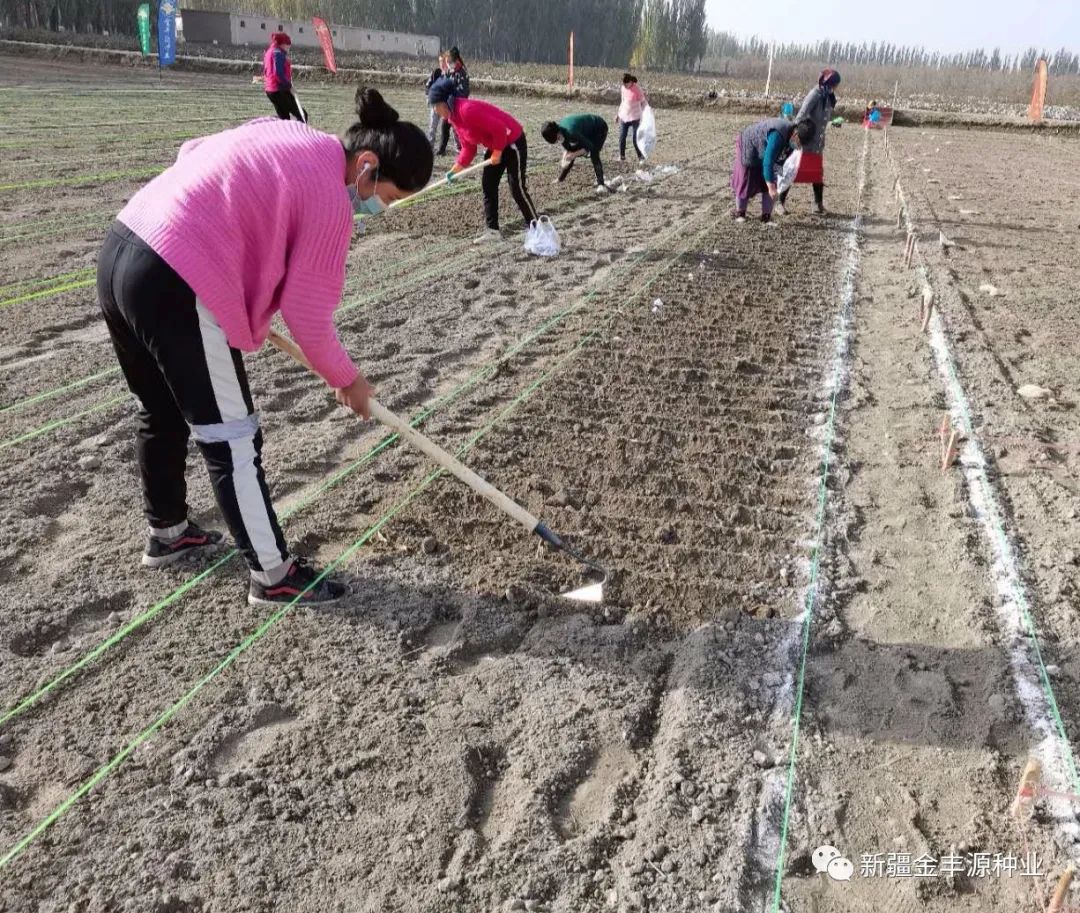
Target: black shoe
(193, 539)
(298, 586)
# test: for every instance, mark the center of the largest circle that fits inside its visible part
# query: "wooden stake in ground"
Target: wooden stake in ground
(950, 442)
(571, 61)
(1023, 806)
(927, 307)
(1057, 902)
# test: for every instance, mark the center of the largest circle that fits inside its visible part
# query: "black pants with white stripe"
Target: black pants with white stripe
(188, 381)
(514, 162)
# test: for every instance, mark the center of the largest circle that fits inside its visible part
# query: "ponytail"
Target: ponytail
(405, 156)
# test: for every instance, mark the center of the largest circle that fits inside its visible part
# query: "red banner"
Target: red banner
(1038, 93)
(327, 42)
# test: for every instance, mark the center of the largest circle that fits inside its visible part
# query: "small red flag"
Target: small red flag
(327, 42)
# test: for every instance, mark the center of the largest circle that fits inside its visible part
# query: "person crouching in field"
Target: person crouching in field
(759, 152)
(479, 123)
(247, 223)
(817, 107)
(277, 78)
(580, 134)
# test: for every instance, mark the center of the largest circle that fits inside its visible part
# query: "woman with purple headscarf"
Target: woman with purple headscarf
(817, 108)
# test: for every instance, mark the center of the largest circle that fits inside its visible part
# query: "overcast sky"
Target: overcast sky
(939, 25)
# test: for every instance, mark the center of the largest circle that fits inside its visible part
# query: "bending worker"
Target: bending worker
(580, 134)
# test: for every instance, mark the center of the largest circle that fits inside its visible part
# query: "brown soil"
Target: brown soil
(453, 736)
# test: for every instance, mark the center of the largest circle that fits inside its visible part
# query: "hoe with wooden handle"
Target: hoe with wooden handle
(593, 592)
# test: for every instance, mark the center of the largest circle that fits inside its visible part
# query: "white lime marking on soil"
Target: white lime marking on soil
(764, 839)
(1012, 602)
(23, 362)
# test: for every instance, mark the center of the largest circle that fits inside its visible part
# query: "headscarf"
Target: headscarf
(829, 78)
(443, 90)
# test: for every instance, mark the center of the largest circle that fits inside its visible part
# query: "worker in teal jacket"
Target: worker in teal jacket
(579, 134)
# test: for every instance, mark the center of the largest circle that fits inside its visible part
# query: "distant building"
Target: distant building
(207, 27)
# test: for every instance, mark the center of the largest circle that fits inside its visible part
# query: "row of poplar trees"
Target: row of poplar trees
(725, 46)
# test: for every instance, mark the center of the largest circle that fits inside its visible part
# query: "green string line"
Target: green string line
(277, 616)
(808, 614)
(60, 422)
(58, 278)
(105, 141)
(81, 180)
(809, 605)
(1015, 584)
(101, 220)
(81, 382)
(483, 373)
(57, 391)
(1018, 594)
(49, 292)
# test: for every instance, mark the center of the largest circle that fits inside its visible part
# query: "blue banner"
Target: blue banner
(166, 33)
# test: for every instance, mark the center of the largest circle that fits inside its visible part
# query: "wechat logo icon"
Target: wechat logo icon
(827, 860)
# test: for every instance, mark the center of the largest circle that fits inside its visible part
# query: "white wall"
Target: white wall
(255, 30)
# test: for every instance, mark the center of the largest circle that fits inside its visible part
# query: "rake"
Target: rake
(592, 592)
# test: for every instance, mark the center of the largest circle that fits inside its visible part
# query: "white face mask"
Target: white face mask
(374, 204)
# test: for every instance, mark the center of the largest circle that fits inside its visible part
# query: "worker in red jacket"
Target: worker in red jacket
(277, 78)
(479, 123)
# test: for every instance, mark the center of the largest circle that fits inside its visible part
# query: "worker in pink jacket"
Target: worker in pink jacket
(277, 78)
(631, 106)
(248, 223)
(479, 123)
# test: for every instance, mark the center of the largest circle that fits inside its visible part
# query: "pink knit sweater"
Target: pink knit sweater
(257, 220)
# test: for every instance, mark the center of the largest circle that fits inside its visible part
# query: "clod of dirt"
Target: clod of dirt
(564, 497)
(430, 545)
(89, 462)
(992, 290)
(516, 595)
(5, 763)
(1033, 391)
(666, 535)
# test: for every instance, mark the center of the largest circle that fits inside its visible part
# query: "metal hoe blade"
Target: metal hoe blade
(591, 592)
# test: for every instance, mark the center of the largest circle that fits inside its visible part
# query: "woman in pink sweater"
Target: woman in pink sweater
(479, 123)
(631, 105)
(248, 223)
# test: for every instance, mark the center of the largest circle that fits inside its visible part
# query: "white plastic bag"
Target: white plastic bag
(791, 169)
(646, 132)
(541, 238)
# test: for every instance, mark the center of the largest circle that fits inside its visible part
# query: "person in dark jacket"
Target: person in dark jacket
(759, 151)
(455, 71)
(580, 134)
(433, 119)
(817, 108)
